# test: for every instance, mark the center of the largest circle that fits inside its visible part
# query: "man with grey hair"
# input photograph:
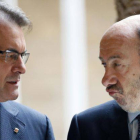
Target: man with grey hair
(17, 122)
(118, 119)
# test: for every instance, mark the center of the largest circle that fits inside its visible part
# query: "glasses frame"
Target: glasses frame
(14, 51)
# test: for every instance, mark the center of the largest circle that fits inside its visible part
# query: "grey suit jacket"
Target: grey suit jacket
(32, 125)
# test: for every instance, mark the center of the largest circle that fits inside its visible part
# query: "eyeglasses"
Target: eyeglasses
(11, 56)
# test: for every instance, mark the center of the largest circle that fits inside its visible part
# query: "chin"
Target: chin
(14, 98)
(6, 96)
(131, 108)
(14, 95)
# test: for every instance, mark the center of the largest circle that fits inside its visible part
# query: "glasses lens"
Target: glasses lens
(11, 57)
(25, 57)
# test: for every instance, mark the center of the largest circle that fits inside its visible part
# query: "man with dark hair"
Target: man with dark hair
(118, 119)
(17, 122)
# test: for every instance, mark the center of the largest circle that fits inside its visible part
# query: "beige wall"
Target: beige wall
(101, 15)
(42, 83)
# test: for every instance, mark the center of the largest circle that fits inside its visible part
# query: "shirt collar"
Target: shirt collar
(132, 116)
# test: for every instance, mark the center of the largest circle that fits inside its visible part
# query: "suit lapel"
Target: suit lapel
(119, 131)
(9, 121)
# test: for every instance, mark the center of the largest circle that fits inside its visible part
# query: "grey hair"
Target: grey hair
(16, 15)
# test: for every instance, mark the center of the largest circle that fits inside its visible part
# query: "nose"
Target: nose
(19, 66)
(109, 77)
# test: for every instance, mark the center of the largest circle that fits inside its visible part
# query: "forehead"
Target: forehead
(11, 37)
(118, 44)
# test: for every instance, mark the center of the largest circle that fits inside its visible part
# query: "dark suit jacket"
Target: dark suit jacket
(32, 125)
(104, 122)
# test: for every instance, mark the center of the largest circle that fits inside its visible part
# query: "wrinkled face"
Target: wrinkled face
(119, 56)
(11, 37)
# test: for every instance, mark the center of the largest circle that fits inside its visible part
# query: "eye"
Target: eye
(117, 64)
(2, 56)
(104, 64)
(13, 56)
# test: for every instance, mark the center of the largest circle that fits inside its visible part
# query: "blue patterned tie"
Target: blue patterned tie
(138, 135)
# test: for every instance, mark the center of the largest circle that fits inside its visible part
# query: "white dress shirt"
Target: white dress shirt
(133, 125)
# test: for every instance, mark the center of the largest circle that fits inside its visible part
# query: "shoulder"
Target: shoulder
(96, 118)
(104, 111)
(24, 112)
(102, 108)
(35, 122)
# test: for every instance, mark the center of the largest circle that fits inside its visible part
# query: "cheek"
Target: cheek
(4, 72)
(123, 73)
(125, 76)
(2, 80)
(124, 69)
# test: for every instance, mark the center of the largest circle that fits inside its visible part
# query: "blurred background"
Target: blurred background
(63, 72)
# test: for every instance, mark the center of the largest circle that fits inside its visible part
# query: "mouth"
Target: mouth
(112, 92)
(13, 82)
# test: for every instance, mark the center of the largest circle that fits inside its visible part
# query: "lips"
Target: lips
(13, 82)
(111, 92)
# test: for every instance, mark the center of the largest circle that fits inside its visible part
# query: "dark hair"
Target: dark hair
(16, 15)
(126, 8)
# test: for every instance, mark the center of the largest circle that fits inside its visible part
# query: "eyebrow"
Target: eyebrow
(13, 50)
(110, 58)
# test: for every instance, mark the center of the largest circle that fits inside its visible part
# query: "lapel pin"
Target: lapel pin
(16, 130)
